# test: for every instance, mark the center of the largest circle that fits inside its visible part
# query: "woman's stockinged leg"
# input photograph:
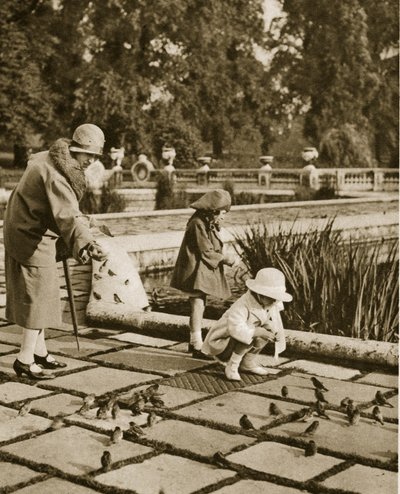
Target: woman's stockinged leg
(197, 306)
(28, 345)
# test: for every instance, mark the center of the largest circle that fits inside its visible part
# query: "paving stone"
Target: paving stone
(109, 424)
(59, 404)
(6, 365)
(67, 326)
(364, 480)
(301, 388)
(173, 397)
(19, 425)
(67, 345)
(160, 474)
(366, 439)
(55, 486)
(140, 339)
(323, 370)
(156, 360)
(229, 407)
(59, 449)
(101, 380)
(12, 474)
(7, 348)
(195, 438)
(283, 460)
(379, 379)
(257, 487)
(13, 334)
(14, 391)
(96, 333)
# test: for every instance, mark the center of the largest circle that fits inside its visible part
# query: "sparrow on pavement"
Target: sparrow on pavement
(377, 414)
(135, 429)
(320, 395)
(245, 423)
(106, 461)
(284, 391)
(151, 419)
(381, 400)
(58, 423)
(311, 429)
(25, 409)
(116, 435)
(274, 409)
(355, 417)
(320, 409)
(311, 448)
(115, 411)
(318, 384)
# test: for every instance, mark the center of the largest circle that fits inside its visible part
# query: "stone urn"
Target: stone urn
(204, 164)
(309, 155)
(266, 162)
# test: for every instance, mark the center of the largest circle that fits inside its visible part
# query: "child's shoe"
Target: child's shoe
(250, 364)
(231, 372)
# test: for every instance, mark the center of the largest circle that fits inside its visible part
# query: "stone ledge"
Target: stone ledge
(158, 324)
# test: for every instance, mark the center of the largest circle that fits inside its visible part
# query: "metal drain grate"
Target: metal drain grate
(211, 382)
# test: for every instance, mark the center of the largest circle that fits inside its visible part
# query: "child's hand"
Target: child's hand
(265, 333)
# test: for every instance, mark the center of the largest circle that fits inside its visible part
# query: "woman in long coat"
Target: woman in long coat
(42, 209)
(199, 269)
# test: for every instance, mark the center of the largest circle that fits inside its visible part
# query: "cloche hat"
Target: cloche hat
(271, 283)
(214, 200)
(87, 138)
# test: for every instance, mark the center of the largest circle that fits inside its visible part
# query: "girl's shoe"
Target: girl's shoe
(231, 372)
(198, 353)
(46, 364)
(21, 369)
(250, 364)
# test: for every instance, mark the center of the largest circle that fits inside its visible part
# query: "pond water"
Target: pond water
(163, 298)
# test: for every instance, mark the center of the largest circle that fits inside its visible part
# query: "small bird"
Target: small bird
(111, 273)
(350, 408)
(84, 409)
(274, 409)
(152, 390)
(106, 461)
(116, 435)
(117, 300)
(102, 266)
(355, 417)
(89, 399)
(111, 402)
(25, 409)
(157, 401)
(126, 282)
(344, 402)
(318, 384)
(151, 419)
(96, 276)
(97, 296)
(381, 400)
(284, 391)
(135, 429)
(102, 412)
(104, 229)
(245, 423)
(311, 448)
(377, 414)
(219, 457)
(306, 414)
(58, 423)
(320, 409)
(311, 429)
(115, 411)
(320, 395)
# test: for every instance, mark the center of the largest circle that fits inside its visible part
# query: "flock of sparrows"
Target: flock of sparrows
(306, 414)
(137, 401)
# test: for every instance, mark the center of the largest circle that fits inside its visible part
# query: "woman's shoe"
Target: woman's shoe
(42, 361)
(21, 369)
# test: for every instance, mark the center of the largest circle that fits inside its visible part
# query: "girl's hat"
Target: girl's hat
(214, 200)
(271, 283)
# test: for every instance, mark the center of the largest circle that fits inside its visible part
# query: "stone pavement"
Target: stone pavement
(195, 443)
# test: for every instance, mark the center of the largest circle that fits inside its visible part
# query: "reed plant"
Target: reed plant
(339, 286)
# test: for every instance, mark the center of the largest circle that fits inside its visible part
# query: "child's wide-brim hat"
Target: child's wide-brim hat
(270, 282)
(214, 200)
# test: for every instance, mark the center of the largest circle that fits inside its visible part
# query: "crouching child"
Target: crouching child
(245, 328)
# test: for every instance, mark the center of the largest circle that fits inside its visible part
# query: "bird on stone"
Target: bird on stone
(355, 417)
(284, 391)
(104, 229)
(89, 399)
(25, 409)
(320, 409)
(151, 419)
(311, 448)
(111, 273)
(97, 296)
(102, 266)
(58, 423)
(102, 412)
(116, 435)
(320, 395)
(117, 300)
(135, 429)
(110, 402)
(106, 461)
(157, 401)
(344, 402)
(274, 409)
(219, 457)
(245, 423)
(377, 414)
(318, 384)
(96, 276)
(152, 390)
(115, 411)
(381, 400)
(306, 415)
(311, 429)
(350, 408)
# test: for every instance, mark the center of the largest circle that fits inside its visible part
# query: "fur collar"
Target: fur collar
(64, 163)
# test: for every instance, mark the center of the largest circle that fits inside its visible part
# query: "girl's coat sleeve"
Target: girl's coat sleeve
(238, 326)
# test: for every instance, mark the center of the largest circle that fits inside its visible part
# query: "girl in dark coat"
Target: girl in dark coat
(199, 269)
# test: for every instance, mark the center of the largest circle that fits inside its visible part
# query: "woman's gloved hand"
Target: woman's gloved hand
(93, 251)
